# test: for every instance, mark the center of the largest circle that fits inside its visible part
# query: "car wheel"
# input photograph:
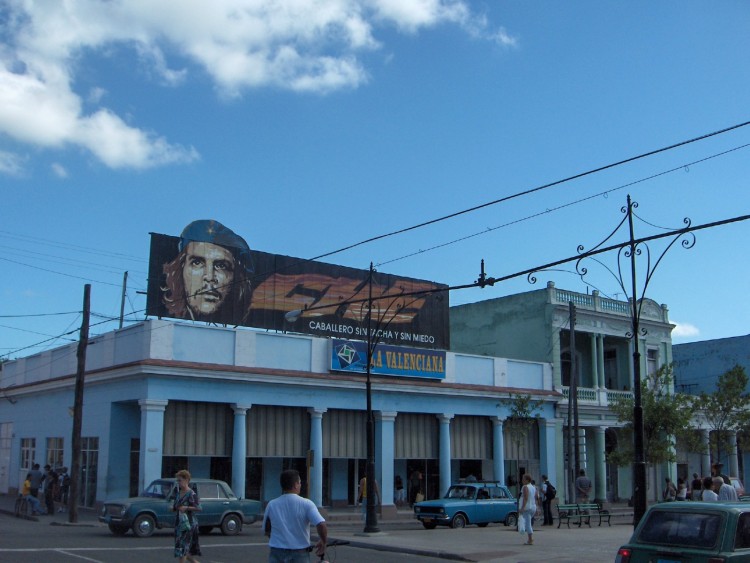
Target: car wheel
(205, 530)
(118, 529)
(459, 521)
(144, 525)
(231, 525)
(511, 519)
(429, 525)
(483, 524)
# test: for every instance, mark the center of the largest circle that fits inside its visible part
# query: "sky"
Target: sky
(308, 126)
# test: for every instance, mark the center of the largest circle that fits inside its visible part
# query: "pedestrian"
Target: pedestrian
(670, 491)
(549, 494)
(64, 483)
(363, 496)
(415, 485)
(50, 488)
(400, 492)
(681, 489)
(186, 504)
(287, 520)
(583, 487)
(35, 478)
(708, 494)
(527, 509)
(725, 492)
(695, 487)
(36, 506)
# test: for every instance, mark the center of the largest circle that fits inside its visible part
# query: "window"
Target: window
(684, 529)
(28, 452)
(742, 539)
(652, 361)
(55, 452)
(497, 492)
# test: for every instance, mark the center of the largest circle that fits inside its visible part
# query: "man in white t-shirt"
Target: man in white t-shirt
(287, 522)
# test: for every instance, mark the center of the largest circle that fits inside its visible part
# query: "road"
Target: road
(25, 541)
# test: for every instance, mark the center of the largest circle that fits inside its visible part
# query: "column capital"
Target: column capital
(497, 421)
(385, 416)
(317, 412)
(155, 405)
(445, 418)
(240, 409)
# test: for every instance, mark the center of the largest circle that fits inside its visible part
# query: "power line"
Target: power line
(604, 193)
(533, 190)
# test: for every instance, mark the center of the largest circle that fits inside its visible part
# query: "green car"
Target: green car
(152, 509)
(690, 532)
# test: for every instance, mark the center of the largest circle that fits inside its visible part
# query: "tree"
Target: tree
(523, 413)
(726, 409)
(666, 418)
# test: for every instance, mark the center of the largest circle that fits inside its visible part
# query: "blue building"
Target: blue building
(242, 405)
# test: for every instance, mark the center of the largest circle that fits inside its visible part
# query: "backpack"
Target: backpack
(551, 491)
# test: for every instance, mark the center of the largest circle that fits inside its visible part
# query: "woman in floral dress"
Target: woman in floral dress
(186, 502)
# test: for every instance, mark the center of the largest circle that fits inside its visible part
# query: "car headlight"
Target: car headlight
(123, 510)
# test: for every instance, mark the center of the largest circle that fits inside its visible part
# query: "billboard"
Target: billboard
(351, 356)
(209, 273)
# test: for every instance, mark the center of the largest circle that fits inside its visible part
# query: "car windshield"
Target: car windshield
(686, 529)
(159, 489)
(461, 492)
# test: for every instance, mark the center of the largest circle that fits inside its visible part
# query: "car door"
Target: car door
(501, 504)
(213, 502)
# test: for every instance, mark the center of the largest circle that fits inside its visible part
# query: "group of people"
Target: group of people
(713, 488)
(54, 486)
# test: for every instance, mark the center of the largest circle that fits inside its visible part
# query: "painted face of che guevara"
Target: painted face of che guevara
(208, 275)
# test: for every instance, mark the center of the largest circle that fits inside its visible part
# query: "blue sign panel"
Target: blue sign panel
(351, 356)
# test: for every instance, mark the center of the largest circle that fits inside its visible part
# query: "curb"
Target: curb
(406, 550)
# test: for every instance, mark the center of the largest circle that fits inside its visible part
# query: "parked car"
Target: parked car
(469, 503)
(690, 532)
(152, 509)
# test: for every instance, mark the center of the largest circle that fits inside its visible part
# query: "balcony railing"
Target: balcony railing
(603, 397)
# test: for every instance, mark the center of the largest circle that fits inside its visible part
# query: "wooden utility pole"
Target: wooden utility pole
(122, 301)
(75, 469)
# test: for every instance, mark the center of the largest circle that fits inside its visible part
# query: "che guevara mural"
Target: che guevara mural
(209, 273)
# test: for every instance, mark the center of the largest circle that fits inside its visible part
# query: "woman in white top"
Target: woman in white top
(527, 508)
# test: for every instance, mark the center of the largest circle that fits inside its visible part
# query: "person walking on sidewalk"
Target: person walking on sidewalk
(527, 509)
(287, 521)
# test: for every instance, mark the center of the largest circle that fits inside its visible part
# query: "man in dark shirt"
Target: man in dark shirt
(695, 487)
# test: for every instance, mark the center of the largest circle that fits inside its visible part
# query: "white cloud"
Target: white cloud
(300, 45)
(59, 170)
(11, 164)
(684, 330)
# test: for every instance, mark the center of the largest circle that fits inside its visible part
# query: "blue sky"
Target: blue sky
(307, 126)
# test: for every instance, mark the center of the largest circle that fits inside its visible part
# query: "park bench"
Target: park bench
(581, 513)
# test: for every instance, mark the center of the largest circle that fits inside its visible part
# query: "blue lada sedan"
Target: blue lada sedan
(469, 503)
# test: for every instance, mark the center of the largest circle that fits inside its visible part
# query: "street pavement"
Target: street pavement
(400, 539)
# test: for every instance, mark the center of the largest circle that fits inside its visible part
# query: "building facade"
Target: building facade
(243, 405)
(697, 368)
(535, 326)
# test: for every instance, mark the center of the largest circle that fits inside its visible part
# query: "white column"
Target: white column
(152, 441)
(732, 455)
(595, 378)
(385, 432)
(548, 440)
(316, 445)
(706, 456)
(600, 485)
(600, 361)
(445, 452)
(498, 449)
(239, 449)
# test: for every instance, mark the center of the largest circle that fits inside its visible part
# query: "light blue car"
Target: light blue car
(469, 503)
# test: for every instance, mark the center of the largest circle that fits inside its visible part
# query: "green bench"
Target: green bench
(581, 513)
